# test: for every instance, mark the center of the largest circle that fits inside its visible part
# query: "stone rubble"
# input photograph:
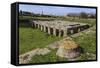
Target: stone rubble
(68, 49)
(26, 57)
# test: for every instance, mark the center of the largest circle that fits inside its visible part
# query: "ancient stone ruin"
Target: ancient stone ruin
(59, 28)
(68, 49)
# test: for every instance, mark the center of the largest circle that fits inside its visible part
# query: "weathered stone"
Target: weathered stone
(68, 49)
(24, 58)
(61, 28)
(43, 51)
(54, 45)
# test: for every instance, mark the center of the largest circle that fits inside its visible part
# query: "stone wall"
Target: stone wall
(59, 28)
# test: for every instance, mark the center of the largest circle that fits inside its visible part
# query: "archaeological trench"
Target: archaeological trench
(66, 47)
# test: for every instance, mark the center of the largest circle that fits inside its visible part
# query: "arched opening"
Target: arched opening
(57, 32)
(75, 30)
(42, 27)
(36, 25)
(47, 29)
(51, 31)
(62, 32)
(81, 28)
(33, 25)
(86, 26)
(68, 31)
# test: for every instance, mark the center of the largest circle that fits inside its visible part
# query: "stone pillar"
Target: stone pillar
(72, 30)
(38, 26)
(59, 33)
(54, 31)
(41, 27)
(65, 33)
(44, 28)
(48, 30)
(79, 30)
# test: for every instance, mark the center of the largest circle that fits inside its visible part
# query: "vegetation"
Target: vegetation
(30, 39)
(87, 40)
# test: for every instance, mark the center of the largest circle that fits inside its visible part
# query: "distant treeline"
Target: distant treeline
(26, 13)
(82, 15)
(79, 15)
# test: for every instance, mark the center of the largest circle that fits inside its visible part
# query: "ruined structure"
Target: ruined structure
(60, 28)
(68, 49)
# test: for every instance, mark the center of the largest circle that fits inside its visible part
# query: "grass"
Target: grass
(88, 42)
(87, 21)
(30, 38)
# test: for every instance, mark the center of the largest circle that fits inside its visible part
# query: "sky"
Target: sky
(54, 10)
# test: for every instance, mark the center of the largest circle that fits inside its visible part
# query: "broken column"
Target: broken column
(79, 30)
(38, 26)
(41, 28)
(65, 33)
(59, 33)
(71, 31)
(44, 28)
(68, 49)
(54, 31)
(48, 30)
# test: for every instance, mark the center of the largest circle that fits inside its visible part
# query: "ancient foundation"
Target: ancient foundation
(59, 28)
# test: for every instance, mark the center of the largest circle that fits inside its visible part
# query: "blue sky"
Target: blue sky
(54, 10)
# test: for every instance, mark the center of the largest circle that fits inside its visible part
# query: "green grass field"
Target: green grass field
(30, 39)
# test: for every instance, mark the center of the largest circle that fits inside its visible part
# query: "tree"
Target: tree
(83, 15)
(20, 12)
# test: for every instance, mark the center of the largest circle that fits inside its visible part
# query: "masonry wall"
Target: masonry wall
(59, 32)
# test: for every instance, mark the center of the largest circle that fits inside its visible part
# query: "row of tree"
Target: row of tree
(82, 15)
(79, 15)
(26, 13)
